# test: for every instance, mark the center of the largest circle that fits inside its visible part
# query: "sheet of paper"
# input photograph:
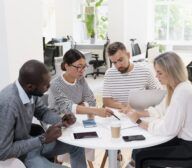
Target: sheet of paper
(124, 120)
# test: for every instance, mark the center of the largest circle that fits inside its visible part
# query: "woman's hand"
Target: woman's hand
(126, 109)
(134, 116)
(103, 112)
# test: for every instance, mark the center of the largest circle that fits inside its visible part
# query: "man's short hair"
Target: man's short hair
(32, 72)
(114, 47)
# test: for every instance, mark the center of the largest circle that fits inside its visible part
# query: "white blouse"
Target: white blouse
(176, 120)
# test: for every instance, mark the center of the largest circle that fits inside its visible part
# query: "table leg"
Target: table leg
(112, 158)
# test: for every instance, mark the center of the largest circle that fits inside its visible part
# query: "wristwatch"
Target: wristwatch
(139, 121)
(42, 138)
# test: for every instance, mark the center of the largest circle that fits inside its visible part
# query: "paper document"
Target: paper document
(124, 120)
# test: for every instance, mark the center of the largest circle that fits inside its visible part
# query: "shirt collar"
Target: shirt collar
(22, 94)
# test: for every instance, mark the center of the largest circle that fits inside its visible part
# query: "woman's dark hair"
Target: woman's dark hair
(70, 57)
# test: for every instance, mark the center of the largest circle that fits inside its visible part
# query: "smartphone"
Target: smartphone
(133, 138)
(82, 135)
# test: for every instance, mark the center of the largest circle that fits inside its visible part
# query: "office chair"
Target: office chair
(49, 61)
(149, 45)
(96, 63)
(189, 69)
(171, 163)
(135, 47)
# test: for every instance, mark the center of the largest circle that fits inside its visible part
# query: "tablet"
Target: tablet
(82, 135)
(142, 99)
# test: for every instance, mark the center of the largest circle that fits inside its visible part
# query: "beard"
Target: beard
(36, 93)
(123, 70)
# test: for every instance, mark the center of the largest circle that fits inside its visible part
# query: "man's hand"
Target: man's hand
(68, 119)
(52, 133)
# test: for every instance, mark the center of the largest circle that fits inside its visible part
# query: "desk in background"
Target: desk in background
(95, 46)
(64, 46)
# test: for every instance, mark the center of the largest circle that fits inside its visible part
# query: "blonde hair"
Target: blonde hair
(172, 64)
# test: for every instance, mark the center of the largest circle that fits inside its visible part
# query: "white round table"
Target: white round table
(105, 141)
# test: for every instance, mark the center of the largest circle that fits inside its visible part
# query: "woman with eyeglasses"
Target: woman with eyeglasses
(70, 91)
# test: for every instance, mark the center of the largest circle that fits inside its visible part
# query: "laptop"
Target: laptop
(142, 99)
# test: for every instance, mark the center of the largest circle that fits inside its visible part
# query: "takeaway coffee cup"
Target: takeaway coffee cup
(115, 130)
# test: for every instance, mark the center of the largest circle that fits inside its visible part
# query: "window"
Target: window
(173, 20)
(93, 18)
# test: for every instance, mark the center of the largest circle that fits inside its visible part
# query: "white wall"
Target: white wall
(4, 67)
(116, 20)
(64, 12)
(21, 36)
(129, 19)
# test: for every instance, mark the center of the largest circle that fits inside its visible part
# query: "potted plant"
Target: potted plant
(88, 17)
(90, 22)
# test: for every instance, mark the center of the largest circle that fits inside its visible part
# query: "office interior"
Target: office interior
(22, 22)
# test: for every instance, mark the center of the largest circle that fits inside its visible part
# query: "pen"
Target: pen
(129, 127)
(115, 116)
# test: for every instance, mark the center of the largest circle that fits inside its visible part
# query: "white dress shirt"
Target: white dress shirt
(177, 119)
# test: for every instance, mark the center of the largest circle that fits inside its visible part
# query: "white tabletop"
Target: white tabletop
(105, 141)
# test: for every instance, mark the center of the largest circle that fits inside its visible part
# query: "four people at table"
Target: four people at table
(19, 103)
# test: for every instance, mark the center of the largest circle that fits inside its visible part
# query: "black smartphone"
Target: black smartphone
(133, 138)
(82, 135)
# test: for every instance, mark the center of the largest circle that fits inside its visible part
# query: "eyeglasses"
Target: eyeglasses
(80, 68)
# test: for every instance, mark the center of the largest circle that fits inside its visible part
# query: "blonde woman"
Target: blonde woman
(173, 115)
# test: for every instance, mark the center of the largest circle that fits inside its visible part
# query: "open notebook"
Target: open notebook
(141, 99)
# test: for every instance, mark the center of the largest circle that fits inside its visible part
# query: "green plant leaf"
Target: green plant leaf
(99, 3)
(89, 22)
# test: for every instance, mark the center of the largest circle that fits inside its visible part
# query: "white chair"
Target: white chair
(12, 163)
